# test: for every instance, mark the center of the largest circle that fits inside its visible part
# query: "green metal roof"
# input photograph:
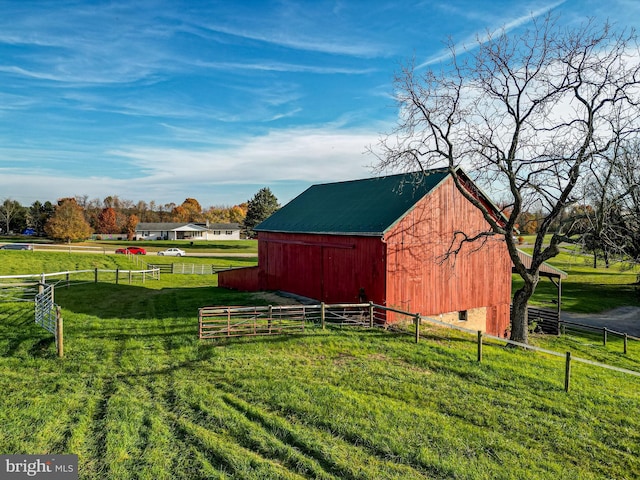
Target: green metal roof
(360, 207)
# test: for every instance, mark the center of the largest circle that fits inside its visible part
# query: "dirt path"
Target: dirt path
(621, 319)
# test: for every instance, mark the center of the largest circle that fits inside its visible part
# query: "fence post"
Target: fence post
(117, 275)
(625, 343)
(255, 319)
(172, 264)
(604, 336)
(417, 320)
(371, 314)
(322, 312)
(68, 278)
(130, 277)
(95, 275)
(59, 332)
(270, 317)
(200, 323)
(567, 372)
(479, 346)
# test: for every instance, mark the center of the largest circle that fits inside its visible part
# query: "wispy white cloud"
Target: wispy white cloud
(298, 156)
(302, 41)
(473, 41)
(285, 67)
(15, 102)
(108, 44)
(317, 27)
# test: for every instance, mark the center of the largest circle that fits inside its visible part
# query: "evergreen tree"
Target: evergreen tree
(260, 207)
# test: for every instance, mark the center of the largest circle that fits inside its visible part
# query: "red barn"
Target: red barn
(384, 240)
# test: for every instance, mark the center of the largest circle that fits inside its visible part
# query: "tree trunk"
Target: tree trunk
(519, 320)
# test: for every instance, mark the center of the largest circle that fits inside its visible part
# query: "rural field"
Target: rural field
(137, 395)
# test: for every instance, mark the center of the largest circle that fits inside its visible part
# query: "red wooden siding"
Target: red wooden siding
(419, 279)
(329, 268)
(245, 279)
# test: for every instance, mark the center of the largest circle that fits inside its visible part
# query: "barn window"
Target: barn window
(463, 316)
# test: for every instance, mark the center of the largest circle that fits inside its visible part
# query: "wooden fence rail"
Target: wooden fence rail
(218, 322)
(604, 332)
(234, 322)
(546, 320)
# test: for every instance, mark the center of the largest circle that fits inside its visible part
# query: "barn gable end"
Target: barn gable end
(420, 277)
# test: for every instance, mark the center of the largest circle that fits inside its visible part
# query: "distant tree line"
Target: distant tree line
(76, 218)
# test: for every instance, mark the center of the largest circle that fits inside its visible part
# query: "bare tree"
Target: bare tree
(526, 116)
(9, 209)
(614, 191)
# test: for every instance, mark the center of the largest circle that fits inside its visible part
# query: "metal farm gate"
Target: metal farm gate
(46, 312)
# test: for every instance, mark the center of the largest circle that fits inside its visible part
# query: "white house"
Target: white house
(188, 231)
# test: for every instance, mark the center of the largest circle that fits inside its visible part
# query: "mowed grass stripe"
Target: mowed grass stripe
(336, 455)
(230, 457)
(364, 418)
(210, 413)
(139, 396)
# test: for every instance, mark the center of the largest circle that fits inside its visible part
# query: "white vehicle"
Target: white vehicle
(173, 252)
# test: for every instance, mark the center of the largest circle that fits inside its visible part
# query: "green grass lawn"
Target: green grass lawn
(587, 289)
(139, 396)
(218, 246)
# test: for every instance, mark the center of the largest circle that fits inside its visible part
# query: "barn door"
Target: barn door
(338, 275)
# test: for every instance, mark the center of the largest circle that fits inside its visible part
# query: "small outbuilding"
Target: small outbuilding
(386, 240)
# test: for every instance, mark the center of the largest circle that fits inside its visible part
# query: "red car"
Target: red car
(132, 250)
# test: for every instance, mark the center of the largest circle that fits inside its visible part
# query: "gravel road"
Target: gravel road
(621, 319)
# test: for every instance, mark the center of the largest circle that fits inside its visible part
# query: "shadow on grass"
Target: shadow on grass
(126, 302)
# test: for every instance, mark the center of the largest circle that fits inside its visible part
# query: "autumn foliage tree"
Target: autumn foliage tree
(189, 211)
(224, 214)
(130, 226)
(67, 222)
(107, 221)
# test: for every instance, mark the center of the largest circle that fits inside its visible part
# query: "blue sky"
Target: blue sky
(163, 100)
